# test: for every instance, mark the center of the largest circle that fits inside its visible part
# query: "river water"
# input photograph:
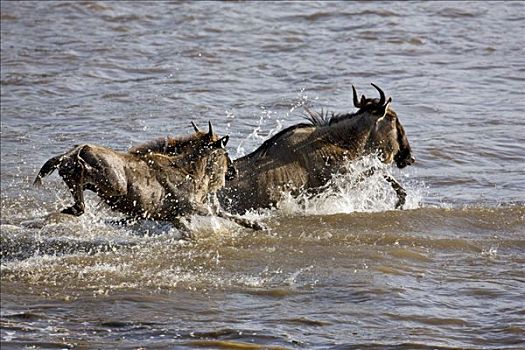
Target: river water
(341, 271)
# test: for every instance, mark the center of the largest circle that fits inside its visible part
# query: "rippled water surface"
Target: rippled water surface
(343, 270)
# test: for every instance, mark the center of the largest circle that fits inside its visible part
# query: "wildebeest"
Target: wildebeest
(305, 156)
(160, 181)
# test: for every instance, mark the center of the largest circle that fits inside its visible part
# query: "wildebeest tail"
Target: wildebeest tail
(48, 168)
(53, 164)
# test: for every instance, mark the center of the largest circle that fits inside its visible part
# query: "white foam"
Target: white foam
(350, 192)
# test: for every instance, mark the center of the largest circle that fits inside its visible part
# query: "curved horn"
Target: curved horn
(195, 127)
(381, 94)
(356, 101)
(210, 132)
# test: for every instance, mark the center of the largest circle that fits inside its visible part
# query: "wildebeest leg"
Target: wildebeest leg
(216, 207)
(254, 225)
(77, 191)
(72, 172)
(401, 193)
(182, 225)
(216, 210)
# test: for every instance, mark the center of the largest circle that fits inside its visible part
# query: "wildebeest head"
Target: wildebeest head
(219, 166)
(387, 135)
(197, 141)
(196, 146)
(211, 141)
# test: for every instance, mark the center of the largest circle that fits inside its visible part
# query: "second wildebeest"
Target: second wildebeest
(145, 183)
(306, 156)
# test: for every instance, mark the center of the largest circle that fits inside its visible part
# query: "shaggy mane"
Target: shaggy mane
(161, 144)
(325, 118)
(315, 119)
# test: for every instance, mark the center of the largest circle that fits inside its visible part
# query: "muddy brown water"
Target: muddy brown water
(340, 271)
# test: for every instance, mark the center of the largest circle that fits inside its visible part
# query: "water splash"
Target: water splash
(350, 191)
(270, 123)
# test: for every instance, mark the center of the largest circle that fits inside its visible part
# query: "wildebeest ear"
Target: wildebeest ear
(224, 140)
(210, 131)
(221, 143)
(385, 107)
(195, 127)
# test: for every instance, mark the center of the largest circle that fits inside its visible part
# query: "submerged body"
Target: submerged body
(305, 156)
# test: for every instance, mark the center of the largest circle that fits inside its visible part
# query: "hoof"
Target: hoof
(73, 210)
(260, 227)
(400, 204)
